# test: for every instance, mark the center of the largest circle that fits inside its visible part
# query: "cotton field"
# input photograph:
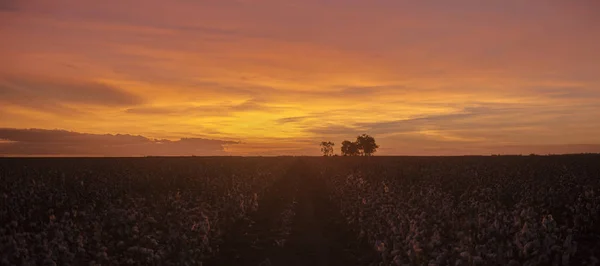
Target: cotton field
(124, 211)
(474, 211)
(500, 210)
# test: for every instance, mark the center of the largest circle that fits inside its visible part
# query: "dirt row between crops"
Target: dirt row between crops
(317, 234)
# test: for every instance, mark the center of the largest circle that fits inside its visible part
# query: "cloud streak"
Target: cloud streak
(217, 110)
(25, 142)
(32, 91)
(295, 119)
(9, 5)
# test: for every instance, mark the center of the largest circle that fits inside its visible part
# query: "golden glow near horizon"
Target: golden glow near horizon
(466, 77)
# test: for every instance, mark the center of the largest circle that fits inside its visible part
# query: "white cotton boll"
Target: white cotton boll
(153, 242)
(151, 220)
(379, 246)
(523, 213)
(509, 253)
(530, 247)
(465, 254)
(280, 242)
(525, 229)
(254, 206)
(574, 248)
(361, 234)
(565, 259)
(102, 255)
(418, 250)
(556, 248)
(549, 223)
(568, 242)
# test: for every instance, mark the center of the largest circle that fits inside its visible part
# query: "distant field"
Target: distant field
(501, 210)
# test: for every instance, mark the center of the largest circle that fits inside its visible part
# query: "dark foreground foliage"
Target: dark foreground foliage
(144, 211)
(506, 210)
(502, 210)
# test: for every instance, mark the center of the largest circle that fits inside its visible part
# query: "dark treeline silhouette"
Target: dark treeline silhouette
(363, 146)
(350, 148)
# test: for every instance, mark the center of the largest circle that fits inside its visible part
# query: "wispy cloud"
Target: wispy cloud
(9, 5)
(32, 91)
(293, 119)
(216, 110)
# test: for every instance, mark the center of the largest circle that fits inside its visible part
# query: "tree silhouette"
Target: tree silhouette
(327, 148)
(350, 148)
(366, 145)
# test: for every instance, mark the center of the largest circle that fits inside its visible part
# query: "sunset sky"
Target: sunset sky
(254, 77)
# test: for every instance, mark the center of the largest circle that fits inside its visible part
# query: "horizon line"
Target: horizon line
(274, 156)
